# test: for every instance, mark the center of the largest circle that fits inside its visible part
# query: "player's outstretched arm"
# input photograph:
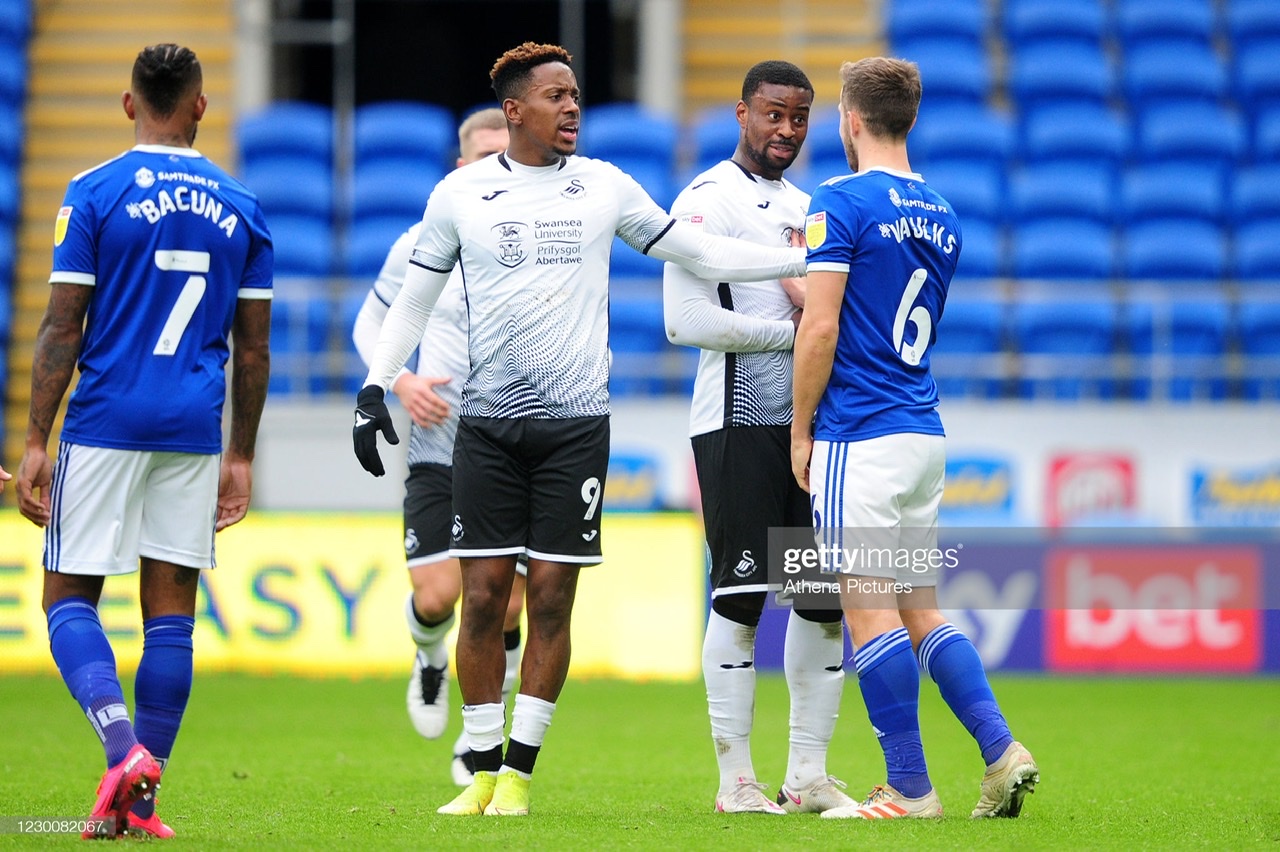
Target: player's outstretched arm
(57, 350)
(251, 369)
(726, 258)
(693, 317)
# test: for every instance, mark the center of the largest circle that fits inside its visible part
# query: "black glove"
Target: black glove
(372, 417)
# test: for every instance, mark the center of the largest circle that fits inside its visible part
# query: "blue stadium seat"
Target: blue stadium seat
(1027, 22)
(9, 195)
(824, 146)
(11, 137)
(1266, 135)
(393, 188)
(405, 131)
(1257, 74)
(1055, 133)
(1257, 252)
(1065, 347)
(1260, 345)
(982, 250)
(1172, 191)
(951, 72)
(8, 258)
(290, 185)
(1255, 194)
(1077, 249)
(13, 77)
(1174, 250)
(974, 190)
(286, 128)
(715, 136)
(626, 262)
(1248, 21)
(630, 132)
(303, 245)
(637, 339)
(1056, 190)
(976, 134)
(1163, 71)
(1181, 343)
(966, 359)
(15, 21)
(369, 240)
(1044, 73)
(656, 178)
(1200, 132)
(1188, 21)
(906, 20)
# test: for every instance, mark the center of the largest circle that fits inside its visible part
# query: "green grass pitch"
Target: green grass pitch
(278, 762)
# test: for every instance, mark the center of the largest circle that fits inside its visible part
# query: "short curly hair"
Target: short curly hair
(510, 74)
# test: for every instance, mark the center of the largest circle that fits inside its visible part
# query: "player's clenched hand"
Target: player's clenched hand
(372, 417)
(35, 474)
(418, 395)
(795, 287)
(4, 477)
(801, 452)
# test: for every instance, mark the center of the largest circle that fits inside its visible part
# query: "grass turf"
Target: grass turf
(281, 762)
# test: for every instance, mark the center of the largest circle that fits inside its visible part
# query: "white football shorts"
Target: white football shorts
(110, 507)
(875, 505)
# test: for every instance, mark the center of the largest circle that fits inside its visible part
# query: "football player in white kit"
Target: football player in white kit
(431, 394)
(740, 427)
(867, 442)
(532, 230)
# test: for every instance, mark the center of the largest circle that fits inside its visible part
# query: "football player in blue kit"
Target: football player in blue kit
(160, 259)
(867, 441)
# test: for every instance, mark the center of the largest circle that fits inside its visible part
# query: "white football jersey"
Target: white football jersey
(533, 246)
(443, 351)
(742, 387)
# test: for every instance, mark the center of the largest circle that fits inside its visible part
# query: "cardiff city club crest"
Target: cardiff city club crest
(510, 236)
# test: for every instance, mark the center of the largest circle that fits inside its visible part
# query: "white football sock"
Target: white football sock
(430, 640)
(483, 725)
(728, 668)
(811, 651)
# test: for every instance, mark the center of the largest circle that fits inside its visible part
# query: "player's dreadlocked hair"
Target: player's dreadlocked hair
(163, 73)
(510, 74)
(774, 72)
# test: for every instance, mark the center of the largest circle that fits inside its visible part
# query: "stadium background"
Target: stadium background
(1110, 356)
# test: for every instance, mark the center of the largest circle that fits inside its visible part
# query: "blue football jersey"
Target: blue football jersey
(898, 241)
(169, 242)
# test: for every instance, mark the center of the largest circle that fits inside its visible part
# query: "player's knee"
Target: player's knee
(433, 605)
(744, 609)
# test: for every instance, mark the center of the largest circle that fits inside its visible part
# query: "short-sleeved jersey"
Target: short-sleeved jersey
(443, 351)
(899, 241)
(743, 388)
(169, 242)
(534, 244)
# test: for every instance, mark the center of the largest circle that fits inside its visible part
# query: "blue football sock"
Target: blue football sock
(951, 660)
(890, 683)
(88, 667)
(161, 689)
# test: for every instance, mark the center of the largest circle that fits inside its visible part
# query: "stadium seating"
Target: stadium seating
(715, 133)
(1065, 348)
(1161, 71)
(975, 191)
(1257, 252)
(637, 339)
(1138, 22)
(410, 131)
(1257, 74)
(1057, 133)
(1266, 136)
(1055, 190)
(10, 136)
(1248, 21)
(1191, 130)
(1027, 22)
(286, 185)
(1179, 344)
(982, 250)
(1260, 344)
(287, 129)
(1174, 250)
(638, 141)
(967, 358)
(906, 20)
(626, 262)
(303, 245)
(1056, 72)
(1255, 194)
(1073, 249)
(388, 187)
(1172, 191)
(976, 134)
(13, 77)
(952, 72)
(368, 241)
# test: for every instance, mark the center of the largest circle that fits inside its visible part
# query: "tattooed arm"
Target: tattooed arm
(56, 352)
